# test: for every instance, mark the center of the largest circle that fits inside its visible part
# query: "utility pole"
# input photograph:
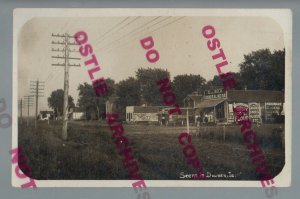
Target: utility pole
(187, 121)
(66, 43)
(37, 88)
(28, 102)
(21, 106)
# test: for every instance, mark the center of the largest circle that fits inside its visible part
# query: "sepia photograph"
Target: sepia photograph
(161, 96)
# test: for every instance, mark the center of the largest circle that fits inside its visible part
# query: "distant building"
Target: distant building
(111, 105)
(143, 113)
(45, 115)
(178, 119)
(192, 100)
(76, 113)
(216, 106)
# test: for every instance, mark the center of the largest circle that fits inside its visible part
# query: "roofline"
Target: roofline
(256, 90)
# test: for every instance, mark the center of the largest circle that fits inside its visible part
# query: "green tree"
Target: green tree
(217, 82)
(111, 87)
(262, 69)
(128, 92)
(278, 67)
(56, 101)
(88, 100)
(147, 79)
(187, 84)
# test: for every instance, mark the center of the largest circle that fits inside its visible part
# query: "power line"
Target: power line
(64, 29)
(136, 29)
(163, 26)
(144, 30)
(152, 25)
(101, 36)
(122, 27)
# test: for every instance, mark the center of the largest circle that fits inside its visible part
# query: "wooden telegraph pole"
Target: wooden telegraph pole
(28, 102)
(36, 88)
(187, 121)
(21, 106)
(66, 43)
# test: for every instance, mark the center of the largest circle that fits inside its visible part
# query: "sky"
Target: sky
(116, 44)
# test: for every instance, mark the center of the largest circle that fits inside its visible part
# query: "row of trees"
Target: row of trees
(260, 69)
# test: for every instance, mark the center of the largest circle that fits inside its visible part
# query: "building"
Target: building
(216, 105)
(175, 119)
(149, 114)
(110, 104)
(45, 115)
(192, 100)
(76, 113)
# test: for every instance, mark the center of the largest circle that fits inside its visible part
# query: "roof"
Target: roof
(78, 109)
(112, 98)
(255, 96)
(46, 112)
(209, 103)
(182, 109)
(147, 109)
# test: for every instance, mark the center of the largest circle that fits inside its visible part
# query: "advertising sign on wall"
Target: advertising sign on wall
(255, 112)
(272, 109)
(241, 106)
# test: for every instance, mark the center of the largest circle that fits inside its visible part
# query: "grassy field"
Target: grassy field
(89, 152)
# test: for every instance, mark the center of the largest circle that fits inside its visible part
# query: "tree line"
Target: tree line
(260, 70)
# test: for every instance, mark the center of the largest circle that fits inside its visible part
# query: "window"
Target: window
(220, 111)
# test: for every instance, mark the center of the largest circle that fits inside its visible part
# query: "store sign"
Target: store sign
(214, 94)
(242, 109)
(254, 112)
(276, 106)
(144, 117)
(272, 109)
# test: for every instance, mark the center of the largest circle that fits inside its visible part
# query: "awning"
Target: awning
(209, 103)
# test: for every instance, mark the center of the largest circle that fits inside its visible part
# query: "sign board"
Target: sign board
(241, 108)
(272, 109)
(255, 112)
(144, 117)
(230, 115)
(214, 94)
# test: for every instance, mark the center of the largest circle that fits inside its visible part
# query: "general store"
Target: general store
(215, 106)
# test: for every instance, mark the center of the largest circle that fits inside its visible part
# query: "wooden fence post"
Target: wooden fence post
(224, 133)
